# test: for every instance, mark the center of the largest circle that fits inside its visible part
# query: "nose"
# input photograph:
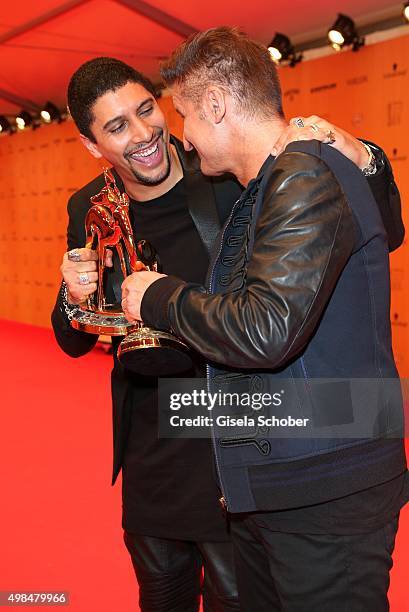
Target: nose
(141, 131)
(186, 143)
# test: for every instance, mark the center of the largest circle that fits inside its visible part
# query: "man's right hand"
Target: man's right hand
(81, 276)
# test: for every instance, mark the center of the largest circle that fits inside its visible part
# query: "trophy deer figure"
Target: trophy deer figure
(107, 225)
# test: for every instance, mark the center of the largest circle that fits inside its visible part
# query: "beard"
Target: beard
(163, 173)
(154, 180)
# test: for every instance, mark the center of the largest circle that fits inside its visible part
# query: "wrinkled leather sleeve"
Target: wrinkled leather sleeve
(304, 237)
(70, 340)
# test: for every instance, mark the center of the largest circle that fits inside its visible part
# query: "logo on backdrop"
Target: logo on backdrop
(396, 157)
(395, 72)
(359, 80)
(324, 87)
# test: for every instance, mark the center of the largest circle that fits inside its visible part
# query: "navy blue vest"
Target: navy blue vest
(345, 382)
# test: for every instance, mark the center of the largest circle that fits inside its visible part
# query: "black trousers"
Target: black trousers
(172, 574)
(292, 572)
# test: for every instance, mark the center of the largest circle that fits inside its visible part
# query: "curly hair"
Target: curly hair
(94, 79)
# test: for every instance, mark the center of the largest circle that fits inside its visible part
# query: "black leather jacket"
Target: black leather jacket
(298, 291)
(304, 236)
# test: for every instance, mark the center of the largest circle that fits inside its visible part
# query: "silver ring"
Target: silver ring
(83, 278)
(314, 127)
(329, 137)
(298, 122)
(74, 255)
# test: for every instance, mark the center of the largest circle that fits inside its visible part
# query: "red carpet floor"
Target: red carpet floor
(60, 527)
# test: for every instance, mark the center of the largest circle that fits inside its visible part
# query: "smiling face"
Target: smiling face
(131, 133)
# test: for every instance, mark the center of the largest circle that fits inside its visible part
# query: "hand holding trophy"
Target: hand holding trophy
(144, 350)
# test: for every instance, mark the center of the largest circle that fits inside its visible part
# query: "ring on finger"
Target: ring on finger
(83, 278)
(74, 255)
(298, 122)
(329, 137)
(314, 127)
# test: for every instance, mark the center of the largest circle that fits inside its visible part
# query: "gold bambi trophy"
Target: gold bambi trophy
(143, 350)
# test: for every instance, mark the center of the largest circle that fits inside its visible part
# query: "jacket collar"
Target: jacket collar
(200, 196)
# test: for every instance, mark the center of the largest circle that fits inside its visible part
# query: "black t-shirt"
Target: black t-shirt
(169, 486)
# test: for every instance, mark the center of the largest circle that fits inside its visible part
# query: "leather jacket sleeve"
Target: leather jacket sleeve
(386, 194)
(304, 236)
(70, 340)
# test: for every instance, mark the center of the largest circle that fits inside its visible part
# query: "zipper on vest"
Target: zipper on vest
(222, 500)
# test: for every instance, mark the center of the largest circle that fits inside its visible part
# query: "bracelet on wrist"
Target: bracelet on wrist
(69, 309)
(370, 168)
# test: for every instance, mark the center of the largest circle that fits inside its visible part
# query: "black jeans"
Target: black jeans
(295, 572)
(169, 573)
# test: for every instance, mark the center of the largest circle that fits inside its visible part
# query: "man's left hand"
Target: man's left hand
(133, 290)
(316, 128)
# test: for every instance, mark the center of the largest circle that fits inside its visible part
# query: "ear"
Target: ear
(91, 146)
(215, 103)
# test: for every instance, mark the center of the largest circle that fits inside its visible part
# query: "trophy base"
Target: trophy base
(150, 352)
(111, 321)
